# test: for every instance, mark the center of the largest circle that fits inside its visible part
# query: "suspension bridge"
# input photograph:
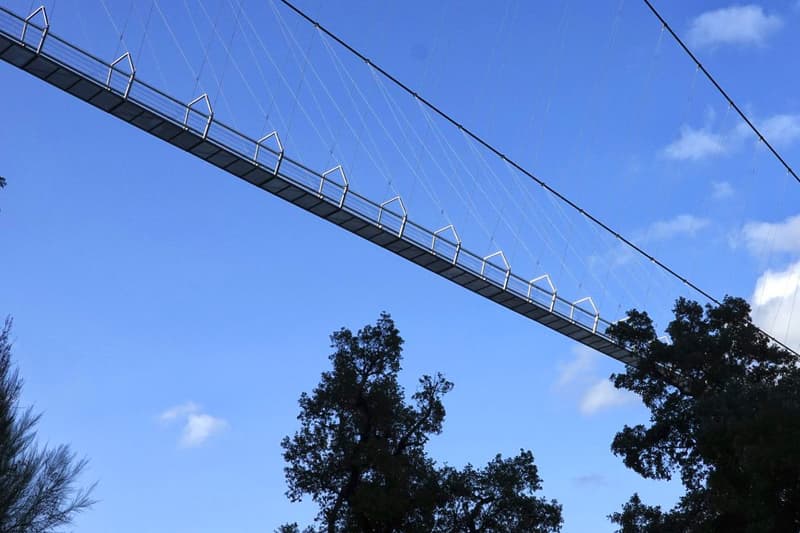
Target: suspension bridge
(27, 42)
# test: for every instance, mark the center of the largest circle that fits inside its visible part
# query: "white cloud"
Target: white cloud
(763, 238)
(695, 144)
(579, 367)
(617, 255)
(781, 129)
(597, 393)
(603, 395)
(198, 427)
(743, 25)
(775, 302)
(620, 254)
(687, 225)
(776, 308)
(721, 190)
(178, 411)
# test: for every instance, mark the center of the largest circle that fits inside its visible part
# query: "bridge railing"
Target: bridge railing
(332, 185)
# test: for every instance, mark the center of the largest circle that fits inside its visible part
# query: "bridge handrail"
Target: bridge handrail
(456, 245)
(113, 68)
(213, 131)
(44, 28)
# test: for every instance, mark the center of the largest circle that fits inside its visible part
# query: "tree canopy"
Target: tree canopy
(38, 492)
(724, 407)
(360, 453)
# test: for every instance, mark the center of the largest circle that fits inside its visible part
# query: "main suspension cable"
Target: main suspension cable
(721, 91)
(480, 140)
(474, 136)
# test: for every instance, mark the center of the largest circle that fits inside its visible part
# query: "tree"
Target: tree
(499, 497)
(637, 517)
(37, 485)
(724, 407)
(360, 453)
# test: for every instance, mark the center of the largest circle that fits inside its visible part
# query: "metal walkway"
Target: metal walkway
(112, 86)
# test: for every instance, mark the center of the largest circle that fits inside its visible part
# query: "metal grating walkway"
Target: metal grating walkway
(113, 87)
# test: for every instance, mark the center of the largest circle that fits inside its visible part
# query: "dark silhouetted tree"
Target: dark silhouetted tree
(637, 517)
(724, 407)
(500, 497)
(360, 453)
(293, 528)
(37, 486)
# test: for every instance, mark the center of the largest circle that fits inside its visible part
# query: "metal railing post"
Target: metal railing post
(553, 292)
(404, 218)
(457, 243)
(111, 69)
(596, 313)
(345, 185)
(203, 97)
(259, 143)
(45, 29)
(505, 262)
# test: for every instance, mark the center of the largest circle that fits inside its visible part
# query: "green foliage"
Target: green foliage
(636, 517)
(360, 453)
(293, 528)
(725, 417)
(37, 486)
(498, 498)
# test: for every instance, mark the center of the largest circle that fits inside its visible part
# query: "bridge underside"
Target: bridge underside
(106, 87)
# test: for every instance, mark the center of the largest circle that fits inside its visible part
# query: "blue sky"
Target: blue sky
(167, 316)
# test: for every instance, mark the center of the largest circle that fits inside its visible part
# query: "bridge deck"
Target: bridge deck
(196, 131)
